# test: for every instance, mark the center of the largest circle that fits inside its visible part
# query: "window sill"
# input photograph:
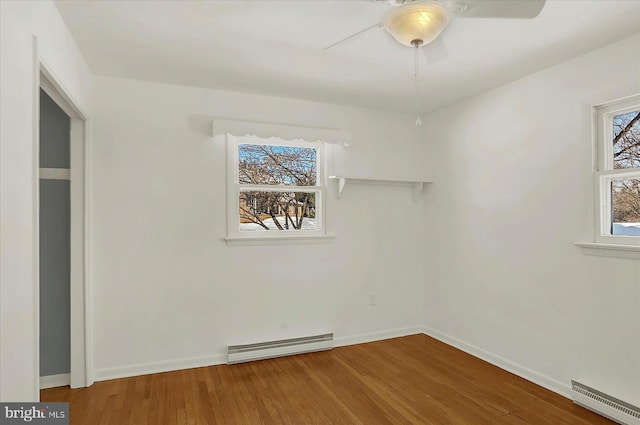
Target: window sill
(279, 240)
(630, 252)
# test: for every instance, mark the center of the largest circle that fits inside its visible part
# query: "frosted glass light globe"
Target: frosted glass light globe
(418, 20)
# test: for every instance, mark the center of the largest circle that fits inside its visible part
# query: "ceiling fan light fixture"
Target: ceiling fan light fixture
(418, 20)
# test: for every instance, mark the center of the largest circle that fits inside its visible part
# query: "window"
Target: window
(276, 188)
(618, 172)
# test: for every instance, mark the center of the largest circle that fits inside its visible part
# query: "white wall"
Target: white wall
(19, 23)
(513, 193)
(169, 293)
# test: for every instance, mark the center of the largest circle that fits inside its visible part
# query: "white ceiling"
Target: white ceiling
(276, 47)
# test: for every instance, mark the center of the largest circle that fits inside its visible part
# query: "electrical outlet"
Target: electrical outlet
(372, 299)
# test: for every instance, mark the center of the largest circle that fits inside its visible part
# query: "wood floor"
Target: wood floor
(408, 380)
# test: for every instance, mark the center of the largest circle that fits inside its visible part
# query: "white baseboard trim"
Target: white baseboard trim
(376, 336)
(515, 368)
(158, 367)
(52, 381)
(188, 363)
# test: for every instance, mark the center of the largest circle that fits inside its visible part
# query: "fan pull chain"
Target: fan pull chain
(417, 44)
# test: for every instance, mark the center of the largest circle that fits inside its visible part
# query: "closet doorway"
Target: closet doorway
(61, 215)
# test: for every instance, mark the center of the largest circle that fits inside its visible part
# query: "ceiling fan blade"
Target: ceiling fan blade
(436, 51)
(354, 36)
(510, 9)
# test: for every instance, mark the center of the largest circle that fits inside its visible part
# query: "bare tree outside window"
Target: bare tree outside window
(625, 193)
(277, 209)
(625, 196)
(626, 140)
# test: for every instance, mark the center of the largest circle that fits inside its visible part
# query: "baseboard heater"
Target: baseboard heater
(605, 405)
(283, 347)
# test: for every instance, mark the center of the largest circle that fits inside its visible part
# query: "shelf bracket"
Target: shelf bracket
(417, 190)
(340, 181)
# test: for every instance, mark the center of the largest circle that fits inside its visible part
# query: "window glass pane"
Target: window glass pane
(625, 201)
(626, 140)
(276, 165)
(263, 210)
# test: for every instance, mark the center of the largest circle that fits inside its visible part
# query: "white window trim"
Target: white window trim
(631, 252)
(269, 237)
(603, 180)
(605, 173)
(605, 244)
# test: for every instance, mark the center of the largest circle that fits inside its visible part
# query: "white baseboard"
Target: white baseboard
(52, 381)
(188, 363)
(158, 367)
(376, 336)
(515, 368)
(178, 364)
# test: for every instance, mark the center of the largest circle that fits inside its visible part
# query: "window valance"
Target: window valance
(281, 131)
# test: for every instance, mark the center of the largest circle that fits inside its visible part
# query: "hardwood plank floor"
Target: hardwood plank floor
(409, 380)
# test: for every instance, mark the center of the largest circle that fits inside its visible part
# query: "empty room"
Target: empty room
(320, 212)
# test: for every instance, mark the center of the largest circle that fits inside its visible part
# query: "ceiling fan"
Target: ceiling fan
(419, 23)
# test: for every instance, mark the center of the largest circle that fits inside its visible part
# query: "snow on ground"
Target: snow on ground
(626, 229)
(307, 224)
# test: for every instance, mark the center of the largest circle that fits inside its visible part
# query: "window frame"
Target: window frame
(234, 188)
(605, 174)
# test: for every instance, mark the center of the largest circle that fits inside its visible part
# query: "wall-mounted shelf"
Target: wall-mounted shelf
(342, 181)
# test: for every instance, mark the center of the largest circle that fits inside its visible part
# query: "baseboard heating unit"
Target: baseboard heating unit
(284, 347)
(605, 405)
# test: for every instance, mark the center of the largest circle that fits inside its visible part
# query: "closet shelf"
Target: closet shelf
(342, 181)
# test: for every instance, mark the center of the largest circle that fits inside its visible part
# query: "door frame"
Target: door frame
(81, 373)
